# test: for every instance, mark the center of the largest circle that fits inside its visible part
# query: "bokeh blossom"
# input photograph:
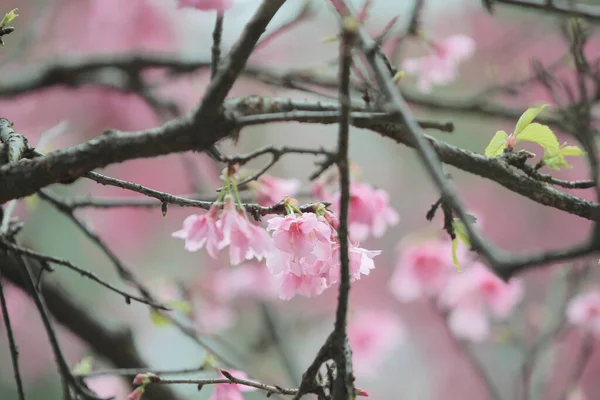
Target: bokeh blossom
(373, 335)
(231, 391)
(584, 311)
(206, 5)
(369, 211)
(474, 295)
(269, 190)
(440, 66)
(422, 269)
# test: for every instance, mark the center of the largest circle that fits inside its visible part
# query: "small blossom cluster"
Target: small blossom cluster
(227, 227)
(425, 271)
(306, 259)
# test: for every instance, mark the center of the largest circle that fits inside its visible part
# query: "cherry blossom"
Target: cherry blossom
(306, 260)
(473, 294)
(212, 317)
(372, 336)
(584, 311)
(422, 269)
(369, 211)
(269, 190)
(202, 231)
(245, 240)
(206, 5)
(440, 66)
(231, 391)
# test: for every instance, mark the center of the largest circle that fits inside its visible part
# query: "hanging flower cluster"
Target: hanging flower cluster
(228, 226)
(306, 258)
(303, 253)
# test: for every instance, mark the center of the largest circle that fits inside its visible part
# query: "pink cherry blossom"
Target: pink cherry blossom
(422, 269)
(369, 211)
(206, 5)
(306, 260)
(202, 231)
(361, 263)
(245, 239)
(108, 386)
(269, 190)
(471, 295)
(440, 66)
(231, 391)
(584, 311)
(305, 237)
(373, 335)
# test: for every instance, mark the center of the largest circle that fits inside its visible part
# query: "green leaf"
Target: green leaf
(542, 135)
(571, 151)
(180, 305)
(527, 117)
(9, 17)
(497, 145)
(454, 256)
(461, 232)
(556, 162)
(83, 367)
(158, 319)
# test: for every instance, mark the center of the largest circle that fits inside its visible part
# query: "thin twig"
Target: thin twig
(87, 274)
(12, 345)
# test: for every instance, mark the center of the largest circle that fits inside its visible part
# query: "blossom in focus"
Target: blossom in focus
(269, 190)
(206, 5)
(306, 260)
(217, 229)
(245, 239)
(231, 391)
(369, 211)
(473, 294)
(584, 311)
(373, 335)
(422, 269)
(440, 66)
(202, 231)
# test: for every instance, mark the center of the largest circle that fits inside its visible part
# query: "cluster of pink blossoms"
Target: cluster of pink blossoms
(303, 253)
(306, 259)
(425, 270)
(231, 227)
